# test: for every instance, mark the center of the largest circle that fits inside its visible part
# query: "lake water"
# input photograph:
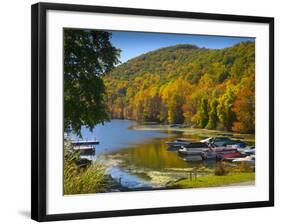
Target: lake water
(116, 135)
(140, 158)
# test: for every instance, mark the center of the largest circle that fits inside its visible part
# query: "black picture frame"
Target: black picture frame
(38, 108)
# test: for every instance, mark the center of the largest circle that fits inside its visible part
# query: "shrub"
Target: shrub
(244, 168)
(221, 169)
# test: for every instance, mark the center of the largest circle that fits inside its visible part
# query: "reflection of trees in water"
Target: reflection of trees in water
(154, 155)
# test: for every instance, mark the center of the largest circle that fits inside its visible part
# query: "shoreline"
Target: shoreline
(191, 131)
(120, 188)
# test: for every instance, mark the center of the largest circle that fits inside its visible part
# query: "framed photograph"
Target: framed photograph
(139, 111)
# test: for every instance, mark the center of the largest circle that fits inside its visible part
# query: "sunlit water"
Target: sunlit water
(140, 158)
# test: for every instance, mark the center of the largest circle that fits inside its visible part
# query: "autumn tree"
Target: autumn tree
(200, 87)
(244, 107)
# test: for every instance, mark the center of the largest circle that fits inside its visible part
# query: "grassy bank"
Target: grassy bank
(215, 181)
(82, 176)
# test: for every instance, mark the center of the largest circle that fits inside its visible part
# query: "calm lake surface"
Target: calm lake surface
(139, 157)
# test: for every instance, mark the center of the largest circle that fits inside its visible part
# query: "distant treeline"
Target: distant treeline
(205, 88)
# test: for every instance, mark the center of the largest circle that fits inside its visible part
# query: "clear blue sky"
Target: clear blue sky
(133, 44)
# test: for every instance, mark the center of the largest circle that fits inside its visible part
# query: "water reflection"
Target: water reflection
(152, 155)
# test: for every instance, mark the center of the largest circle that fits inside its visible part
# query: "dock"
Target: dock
(85, 142)
(86, 147)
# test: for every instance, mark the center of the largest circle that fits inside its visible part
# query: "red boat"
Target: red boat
(227, 153)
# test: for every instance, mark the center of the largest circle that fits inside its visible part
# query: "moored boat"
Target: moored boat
(194, 149)
(210, 155)
(178, 143)
(224, 141)
(193, 158)
(237, 144)
(191, 152)
(250, 150)
(219, 141)
(249, 159)
(226, 153)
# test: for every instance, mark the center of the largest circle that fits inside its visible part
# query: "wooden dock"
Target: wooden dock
(86, 147)
(85, 142)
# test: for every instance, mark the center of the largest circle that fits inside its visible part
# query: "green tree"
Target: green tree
(88, 55)
(224, 109)
(213, 118)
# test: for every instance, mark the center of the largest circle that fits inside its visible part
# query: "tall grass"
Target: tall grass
(82, 179)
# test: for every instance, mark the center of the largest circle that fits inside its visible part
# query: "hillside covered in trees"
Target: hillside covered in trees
(200, 87)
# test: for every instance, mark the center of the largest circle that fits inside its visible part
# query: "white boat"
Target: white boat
(248, 150)
(250, 159)
(195, 148)
(216, 140)
(207, 140)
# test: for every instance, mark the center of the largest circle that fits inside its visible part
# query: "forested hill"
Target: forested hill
(200, 87)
